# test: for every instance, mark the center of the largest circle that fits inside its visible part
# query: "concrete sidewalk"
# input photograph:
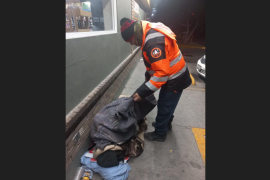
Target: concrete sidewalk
(179, 156)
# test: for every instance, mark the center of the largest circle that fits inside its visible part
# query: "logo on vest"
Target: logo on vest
(156, 53)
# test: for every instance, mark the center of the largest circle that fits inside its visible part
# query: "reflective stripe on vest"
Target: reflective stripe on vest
(173, 62)
(159, 79)
(178, 73)
(176, 60)
(153, 35)
(164, 79)
(151, 86)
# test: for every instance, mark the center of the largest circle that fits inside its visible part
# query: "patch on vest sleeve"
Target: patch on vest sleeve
(156, 52)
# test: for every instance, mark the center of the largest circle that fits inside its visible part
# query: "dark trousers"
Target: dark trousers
(166, 105)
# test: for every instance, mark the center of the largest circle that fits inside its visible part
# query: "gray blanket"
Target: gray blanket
(116, 122)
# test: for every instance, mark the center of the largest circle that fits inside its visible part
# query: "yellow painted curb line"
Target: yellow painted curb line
(189, 46)
(199, 135)
(192, 78)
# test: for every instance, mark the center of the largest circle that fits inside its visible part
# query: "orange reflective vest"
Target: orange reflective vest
(163, 60)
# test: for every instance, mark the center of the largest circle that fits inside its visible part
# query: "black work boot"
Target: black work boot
(169, 125)
(153, 136)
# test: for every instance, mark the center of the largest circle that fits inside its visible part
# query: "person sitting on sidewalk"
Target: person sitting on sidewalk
(165, 69)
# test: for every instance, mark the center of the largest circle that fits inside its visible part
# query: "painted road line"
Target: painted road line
(197, 89)
(192, 79)
(189, 46)
(199, 135)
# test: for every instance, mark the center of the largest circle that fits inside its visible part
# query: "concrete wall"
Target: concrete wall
(91, 59)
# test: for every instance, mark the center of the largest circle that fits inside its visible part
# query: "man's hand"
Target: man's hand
(136, 97)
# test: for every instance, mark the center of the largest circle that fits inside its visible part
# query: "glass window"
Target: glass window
(90, 15)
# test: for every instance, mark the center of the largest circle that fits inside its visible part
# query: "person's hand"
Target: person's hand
(136, 97)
